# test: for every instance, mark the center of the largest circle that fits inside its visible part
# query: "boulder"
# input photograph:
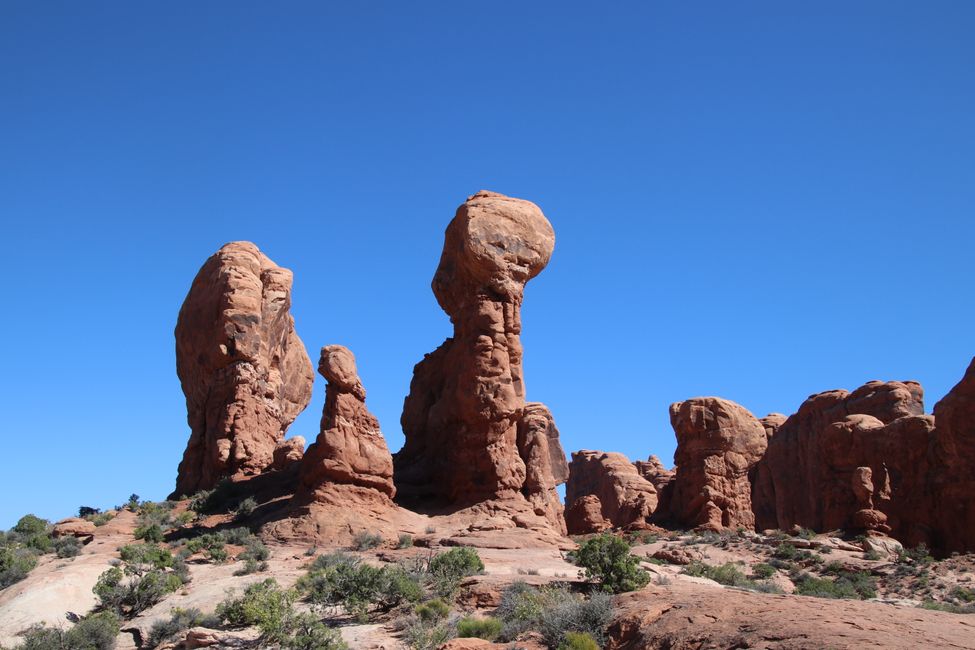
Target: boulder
(243, 369)
(718, 444)
(470, 436)
(74, 527)
(287, 453)
(606, 490)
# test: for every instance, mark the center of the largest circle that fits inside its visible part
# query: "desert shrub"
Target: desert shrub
(245, 508)
(806, 533)
(962, 594)
(263, 605)
(405, 541)
(224, 496)
(87, 511)
(872, 555)
(606, 560)
(433, 610)
(94, 632)
(15, 564)
(309, 633)
(30, 525)
(553, 611)
(240, 536)
(364, 541)
(447, 569)
(948, 607)
(763, 570)
(212, 546)
(847, 584)
(66, 547)
(481, 628)
(919, 555)
(149, 532)
(578, 641)
(344, 580)
(178, 621)
(421, 635)
(101, 518)
(785, 551)
(254, 556)
(148, 573)
(133, 503)
(765, 587)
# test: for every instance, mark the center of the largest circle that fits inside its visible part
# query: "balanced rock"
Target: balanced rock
(470, 437)
(605, 490)
(350, 454)
(718, 444)
(244, 371)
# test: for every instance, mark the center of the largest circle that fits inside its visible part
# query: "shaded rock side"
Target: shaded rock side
(469, 436)
(244, 371)
(605, 490)
(839, 447)
(952, 483)
(350, 450)
(718, 444)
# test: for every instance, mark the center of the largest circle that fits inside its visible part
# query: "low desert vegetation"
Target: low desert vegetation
(95, 632)
(606, 561)
(553, 611)
(729, 574)
(487, 628)
(179, 620)
(271, 609)
(146, 575)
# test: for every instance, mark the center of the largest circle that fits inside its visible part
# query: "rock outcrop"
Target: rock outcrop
(349, 461)
(952, 483)
(605, 490)
(718, 444)
(243, 369)
(470, 438)
(851, 461)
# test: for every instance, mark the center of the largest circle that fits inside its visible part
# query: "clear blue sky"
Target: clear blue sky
(756, 200)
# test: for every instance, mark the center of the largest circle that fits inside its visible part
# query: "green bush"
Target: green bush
(447, 569)
(211, 545)
(149, 532)
(428, 636)
(578, 641)
(948, 607)
(364, 541)
(245, 508)
(552, 611)
(785, 551)
(101, 518)
(87, 511)
(433, 610)
(763, 571)
(66, 547)
(405, 541)
(846, 585)
(344, 580)
(148, 573)
(725, 574)
(606, 560)
(918, 555)
(178, 621)
(481, 628)
(30, 525)
(15, 564)
(269, 608)
(94, 632)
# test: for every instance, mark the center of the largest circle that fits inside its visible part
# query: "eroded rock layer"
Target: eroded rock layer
(605, 490)
(469, 436)
(244, 371)
(718, 443)
(350, 450)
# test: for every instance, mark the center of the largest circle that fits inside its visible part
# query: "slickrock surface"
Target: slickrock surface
(244, 371)
(718, 443)
(466, 406)
(605, 490)
(689, 616)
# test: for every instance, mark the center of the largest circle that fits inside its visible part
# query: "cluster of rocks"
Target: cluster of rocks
(868, 460)
(472, 439)
(863, 461)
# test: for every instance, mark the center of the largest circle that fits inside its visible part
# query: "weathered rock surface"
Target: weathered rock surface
(350, 452)
(663, 480)
(470, 438)
(605, 490)
(952, 483)
(74, 527)
(243, 369)
(689, 616)
(288, 453)
(718, 444)
(863, 461)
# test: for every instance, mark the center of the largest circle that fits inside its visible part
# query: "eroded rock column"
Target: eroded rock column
(244, 371)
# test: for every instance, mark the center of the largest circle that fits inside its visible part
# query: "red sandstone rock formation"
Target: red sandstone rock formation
(952, 483)
(244, 371)
(822, 462)
(469, 436)
(350, 454)
(605, 490)
(718, 443)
